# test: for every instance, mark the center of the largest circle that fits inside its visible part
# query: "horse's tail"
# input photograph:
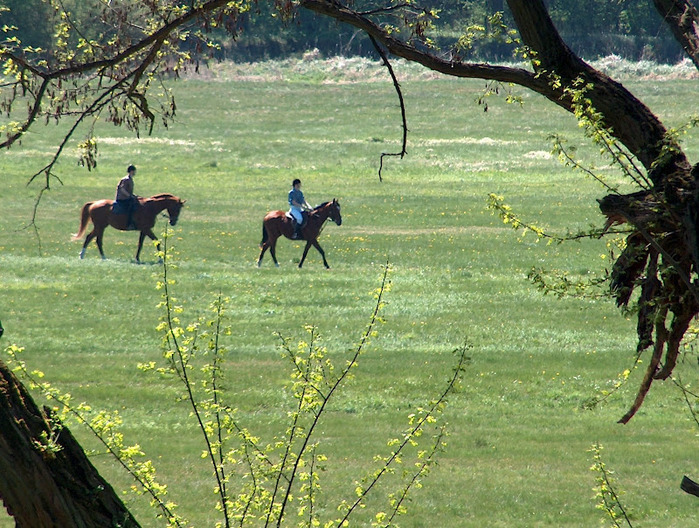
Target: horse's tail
(84, 217)
(265, 235)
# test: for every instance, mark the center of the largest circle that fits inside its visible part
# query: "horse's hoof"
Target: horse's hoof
(276, 264)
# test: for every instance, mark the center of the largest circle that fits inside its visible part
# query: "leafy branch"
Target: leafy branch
(285, 472)
(496, 203)
(606, 492)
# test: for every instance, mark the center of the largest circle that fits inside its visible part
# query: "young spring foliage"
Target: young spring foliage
(278, 481)
(606, 492)
(274, 482)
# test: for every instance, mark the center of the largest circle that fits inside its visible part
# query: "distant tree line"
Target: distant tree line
(629, 28)
(624, 27)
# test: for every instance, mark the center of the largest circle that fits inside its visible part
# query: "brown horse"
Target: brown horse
(277, 223)
(100, 212)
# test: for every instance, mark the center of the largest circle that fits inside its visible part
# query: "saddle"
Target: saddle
(304, 215)
(126, 208)
(119, 208)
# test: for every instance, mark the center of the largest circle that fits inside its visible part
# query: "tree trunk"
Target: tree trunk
(628, 118)
(46, 480)
(683, 19)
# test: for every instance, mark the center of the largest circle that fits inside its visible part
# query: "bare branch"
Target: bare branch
(430, 60)
(396, 85)
(33, 113)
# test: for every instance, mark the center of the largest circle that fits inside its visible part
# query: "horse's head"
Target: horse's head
(334, 212)
(174, 207)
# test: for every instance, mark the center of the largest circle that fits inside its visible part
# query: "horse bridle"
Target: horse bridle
(322, 226)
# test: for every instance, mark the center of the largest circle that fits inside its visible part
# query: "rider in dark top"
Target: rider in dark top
(126, 200)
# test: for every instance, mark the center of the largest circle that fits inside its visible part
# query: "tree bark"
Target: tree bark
(49, 486)
(627, 117)
(683, 19)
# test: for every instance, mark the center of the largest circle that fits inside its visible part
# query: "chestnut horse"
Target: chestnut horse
(100, 212)
(277, 223)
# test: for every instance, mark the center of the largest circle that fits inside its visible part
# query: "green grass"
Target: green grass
(518, 451)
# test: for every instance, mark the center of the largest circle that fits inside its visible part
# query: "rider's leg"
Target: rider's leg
(298, 219)
(132, 207)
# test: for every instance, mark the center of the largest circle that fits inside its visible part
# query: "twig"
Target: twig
(409, 436)
(308, 433)
(686, 393)
(404, 121)
(196, 411)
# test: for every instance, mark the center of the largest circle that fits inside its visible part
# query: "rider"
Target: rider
(298, 204)
(126, 200)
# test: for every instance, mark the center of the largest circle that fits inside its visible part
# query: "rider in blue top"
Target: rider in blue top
(297, 204)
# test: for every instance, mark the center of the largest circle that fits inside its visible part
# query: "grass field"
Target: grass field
(518, 452)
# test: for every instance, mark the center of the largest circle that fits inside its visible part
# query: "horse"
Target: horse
(100, 212)
(277, 223)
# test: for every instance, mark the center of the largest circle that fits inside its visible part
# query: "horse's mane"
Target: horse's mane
(317, 207)
(161, 196)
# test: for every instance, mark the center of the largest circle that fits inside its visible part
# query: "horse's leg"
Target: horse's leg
(305, 252)
(262, 254)
(322, 253)
(273, 251)
(88, 239)
(271, 244)
(141, 237)
(99, 243)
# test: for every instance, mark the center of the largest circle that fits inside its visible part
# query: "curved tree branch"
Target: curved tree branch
(430, 60)
(627, 117)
